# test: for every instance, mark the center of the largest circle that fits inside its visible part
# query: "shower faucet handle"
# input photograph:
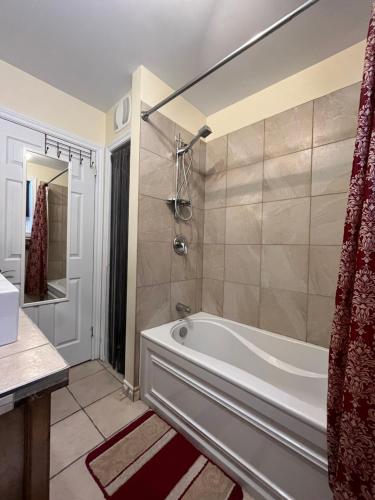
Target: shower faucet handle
(180, 245)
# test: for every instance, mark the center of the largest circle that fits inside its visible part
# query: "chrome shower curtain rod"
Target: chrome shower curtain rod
(254, 40)
(58, 175)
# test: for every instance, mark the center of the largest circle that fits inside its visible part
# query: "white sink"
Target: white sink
(9, 311)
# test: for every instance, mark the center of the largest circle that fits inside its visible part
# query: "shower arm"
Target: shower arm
(252, 41)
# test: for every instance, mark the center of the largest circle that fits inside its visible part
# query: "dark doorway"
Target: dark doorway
(118, 257)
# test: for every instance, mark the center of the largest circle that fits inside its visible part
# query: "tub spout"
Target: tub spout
(182, 308)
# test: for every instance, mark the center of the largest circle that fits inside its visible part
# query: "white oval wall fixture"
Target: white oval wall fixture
(122, 113)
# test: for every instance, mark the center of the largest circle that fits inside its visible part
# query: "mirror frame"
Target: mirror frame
(23, 235)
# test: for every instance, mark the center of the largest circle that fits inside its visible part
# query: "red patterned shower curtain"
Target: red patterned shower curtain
(351, 377)
(36, 268)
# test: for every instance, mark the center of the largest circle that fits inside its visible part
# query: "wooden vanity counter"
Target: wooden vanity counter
(30, 369)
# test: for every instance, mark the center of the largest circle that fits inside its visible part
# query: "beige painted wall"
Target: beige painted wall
(44, 174)
(153, 90)
(336, 72)
(27, 95)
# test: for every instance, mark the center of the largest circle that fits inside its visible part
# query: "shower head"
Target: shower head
(203, 132)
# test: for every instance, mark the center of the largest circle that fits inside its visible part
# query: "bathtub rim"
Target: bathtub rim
(188, 354)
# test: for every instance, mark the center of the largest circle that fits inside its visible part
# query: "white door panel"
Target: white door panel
(66, 324)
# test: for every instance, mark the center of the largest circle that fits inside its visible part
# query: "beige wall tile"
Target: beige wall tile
(213, 262)
(184, 292)
(158, 135)
(331, 167)
(289, 131)
(214, 225)
(244, 185)
(198, 294)
(283, 311)
(154, 220)
(245, 146)
(285, 266)
(336, 115)
(155, 175)
(288, 176)
(199, 260)
(202, 157)
(216, 155)
(323, 269)
(327, 219)
(212, 296)
(184, 267)
(153, 306)
(215, 188)
(153, 263)
(286, 221)
(241, 303)
(197, 190)
(320, 317)
(243, 224)
(192, 229)
(242, 264)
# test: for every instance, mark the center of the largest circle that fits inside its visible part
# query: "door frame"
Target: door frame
(98, 274)
(105, 263)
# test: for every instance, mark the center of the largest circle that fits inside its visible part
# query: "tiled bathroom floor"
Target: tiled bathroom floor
(83, 415)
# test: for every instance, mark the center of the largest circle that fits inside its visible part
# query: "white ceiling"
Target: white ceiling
(89, 48)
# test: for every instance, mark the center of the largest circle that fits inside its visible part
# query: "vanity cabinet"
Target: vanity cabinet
(30, 370)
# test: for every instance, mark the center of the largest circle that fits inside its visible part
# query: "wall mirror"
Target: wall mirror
(45, 263)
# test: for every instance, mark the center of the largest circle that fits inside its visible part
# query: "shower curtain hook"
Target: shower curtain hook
(80, 157)
(58, 150)
(70, 155)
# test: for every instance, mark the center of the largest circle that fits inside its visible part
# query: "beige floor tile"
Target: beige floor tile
(70, 439)
(62, 405)
(108, 367)
(75, 483)
(114, 412)
(84, 370)
(90, 389)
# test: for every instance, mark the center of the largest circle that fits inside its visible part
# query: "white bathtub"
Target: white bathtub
(252, 400)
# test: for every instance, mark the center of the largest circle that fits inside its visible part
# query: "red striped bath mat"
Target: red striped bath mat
(149, 460)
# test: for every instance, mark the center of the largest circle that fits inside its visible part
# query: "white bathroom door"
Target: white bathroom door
(68, 325)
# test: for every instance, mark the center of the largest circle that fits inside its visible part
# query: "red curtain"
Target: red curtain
(351, 377)
(36, 269)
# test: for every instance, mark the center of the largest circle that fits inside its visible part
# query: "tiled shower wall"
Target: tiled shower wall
(57, 231)
(163, 277)
(275, 201)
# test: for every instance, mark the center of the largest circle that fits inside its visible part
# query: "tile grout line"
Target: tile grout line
(261, 230)
(335, 193)
(91, 449)
(96, 400)
(83, 409)
(225, 220)
(86, 376)
(310, 217)
(75, 460)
